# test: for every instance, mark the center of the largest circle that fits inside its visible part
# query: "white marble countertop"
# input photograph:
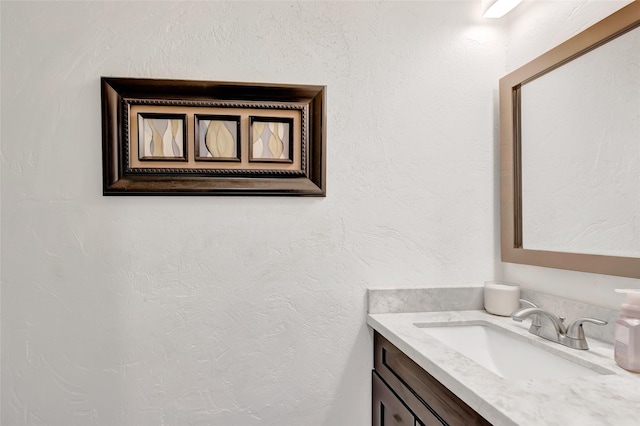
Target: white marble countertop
(608, 399)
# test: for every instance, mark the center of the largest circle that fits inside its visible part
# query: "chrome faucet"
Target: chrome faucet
(571, 336)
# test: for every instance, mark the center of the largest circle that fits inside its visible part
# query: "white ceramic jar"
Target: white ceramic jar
(501, 298)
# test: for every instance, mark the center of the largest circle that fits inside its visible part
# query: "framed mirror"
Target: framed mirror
(570, 153)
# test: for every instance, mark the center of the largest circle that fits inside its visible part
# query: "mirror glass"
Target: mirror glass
(580, 153)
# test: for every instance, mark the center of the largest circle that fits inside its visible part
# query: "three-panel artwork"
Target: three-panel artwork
(212, 138)
(163, 137)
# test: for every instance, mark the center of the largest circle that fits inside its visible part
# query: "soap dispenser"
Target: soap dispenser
(627, 332)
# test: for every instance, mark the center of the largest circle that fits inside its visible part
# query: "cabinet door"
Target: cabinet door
(388, 410)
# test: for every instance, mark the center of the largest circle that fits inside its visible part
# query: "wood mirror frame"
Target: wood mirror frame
(620, 22)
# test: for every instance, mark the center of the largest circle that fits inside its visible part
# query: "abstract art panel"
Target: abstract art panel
(161, 137)
(217, 137)
(271, 139)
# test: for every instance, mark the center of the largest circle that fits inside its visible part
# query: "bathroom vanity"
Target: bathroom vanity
(420, 380)
(405, 394)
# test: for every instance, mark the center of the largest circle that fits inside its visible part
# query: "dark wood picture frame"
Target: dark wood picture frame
(123, 98)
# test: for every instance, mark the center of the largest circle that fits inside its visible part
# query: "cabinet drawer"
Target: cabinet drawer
(421, 392)
(388, 410)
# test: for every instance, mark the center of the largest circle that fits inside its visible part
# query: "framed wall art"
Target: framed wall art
(162, 137)
(185, 137)
(217, 138)
(271, 139)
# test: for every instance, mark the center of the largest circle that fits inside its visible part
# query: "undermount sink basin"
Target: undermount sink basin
(508, 355)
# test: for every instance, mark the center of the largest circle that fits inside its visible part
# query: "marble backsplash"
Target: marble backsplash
(431, 299)
(468, 298)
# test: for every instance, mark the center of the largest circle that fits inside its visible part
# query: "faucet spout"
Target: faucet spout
(525, 313)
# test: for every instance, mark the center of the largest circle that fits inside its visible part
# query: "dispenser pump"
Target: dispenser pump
(632, 307)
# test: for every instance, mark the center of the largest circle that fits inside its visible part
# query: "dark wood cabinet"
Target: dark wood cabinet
(405, 394)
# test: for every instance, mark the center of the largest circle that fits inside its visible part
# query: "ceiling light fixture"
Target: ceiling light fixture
(499, 8)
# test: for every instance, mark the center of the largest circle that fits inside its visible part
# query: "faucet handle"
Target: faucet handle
(575, 330)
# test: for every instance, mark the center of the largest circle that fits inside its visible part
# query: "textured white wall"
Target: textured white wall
(234, 311)
(533, 28)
